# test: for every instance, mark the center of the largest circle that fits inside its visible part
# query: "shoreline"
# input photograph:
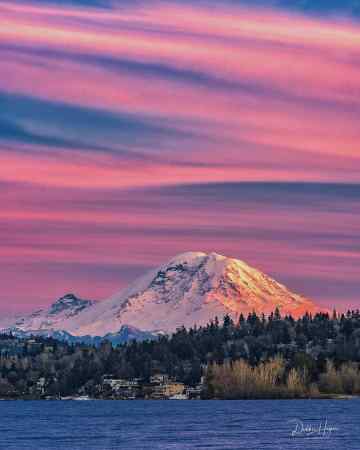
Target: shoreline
(322, 397)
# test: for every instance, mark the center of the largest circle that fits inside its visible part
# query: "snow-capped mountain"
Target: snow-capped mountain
(190, 289)
(63, 309)
(125, 334)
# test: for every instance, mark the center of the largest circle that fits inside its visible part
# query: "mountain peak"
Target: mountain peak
(195, 256)
(69, 302)
(187, 257)
(68, 298)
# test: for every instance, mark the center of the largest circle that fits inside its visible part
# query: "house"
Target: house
(40, 385)
(194, 393)
(159, 378)
(123, 389)
(167, 390)
(120, 383)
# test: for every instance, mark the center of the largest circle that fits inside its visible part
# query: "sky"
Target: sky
(133, 131)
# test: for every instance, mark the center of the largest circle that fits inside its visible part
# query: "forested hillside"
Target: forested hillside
(320, 353)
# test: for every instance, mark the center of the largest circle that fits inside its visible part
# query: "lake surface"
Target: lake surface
(180, 425)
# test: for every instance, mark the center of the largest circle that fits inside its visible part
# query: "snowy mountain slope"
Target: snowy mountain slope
(52, 318)
(190, 289)
(8, 321)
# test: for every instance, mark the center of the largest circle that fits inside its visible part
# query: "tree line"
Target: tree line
(256, 356)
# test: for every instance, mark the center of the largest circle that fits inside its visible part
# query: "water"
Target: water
(180, 425)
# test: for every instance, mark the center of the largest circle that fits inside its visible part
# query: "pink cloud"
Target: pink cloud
(249, 95)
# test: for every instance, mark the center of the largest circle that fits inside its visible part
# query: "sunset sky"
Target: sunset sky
(131, 131)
